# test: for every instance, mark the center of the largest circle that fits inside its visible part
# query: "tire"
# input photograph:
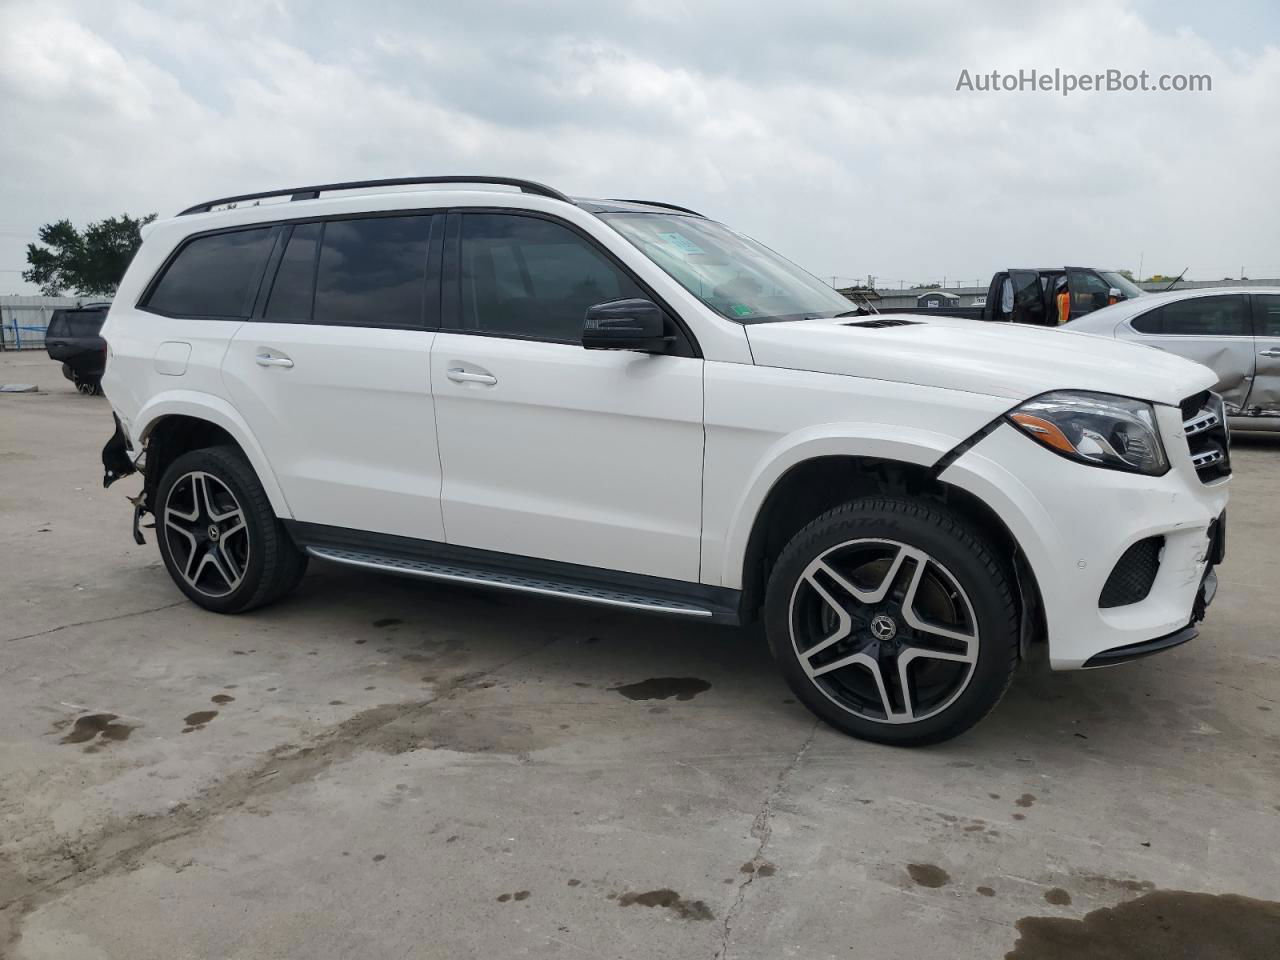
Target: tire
(921, 593)
(219, 538)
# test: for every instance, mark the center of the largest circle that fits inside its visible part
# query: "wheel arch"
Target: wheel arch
(180, 421)
(810, 487)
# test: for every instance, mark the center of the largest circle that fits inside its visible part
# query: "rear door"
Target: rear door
(1028, 297)
(1214, 330)
(333, 372)
(1265, 394)
(551, 451)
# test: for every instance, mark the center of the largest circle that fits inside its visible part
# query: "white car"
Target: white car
(1235, 331)
(483, 381)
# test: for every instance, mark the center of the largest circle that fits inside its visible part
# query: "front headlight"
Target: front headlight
(1095, 428)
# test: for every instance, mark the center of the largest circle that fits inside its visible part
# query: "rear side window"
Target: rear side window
(1197, 317)
(214, 276)
(57, 325)
(295, 286)
(373, 272)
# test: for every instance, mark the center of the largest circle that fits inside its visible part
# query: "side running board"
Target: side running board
(479, 576)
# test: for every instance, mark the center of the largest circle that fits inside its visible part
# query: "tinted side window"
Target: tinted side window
(1150, 322)
(373, 272)
(58, 325)
(295, 283)
(214, 276)
(527, 277)
(85, 323)
(1266, 313)
(1206, 317)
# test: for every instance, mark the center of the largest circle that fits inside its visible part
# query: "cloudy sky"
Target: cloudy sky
(832, 131)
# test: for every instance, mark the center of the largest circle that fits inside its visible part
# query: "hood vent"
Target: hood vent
(882, 322)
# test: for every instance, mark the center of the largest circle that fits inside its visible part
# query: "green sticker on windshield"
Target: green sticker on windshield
(681, 242)
(741, 310)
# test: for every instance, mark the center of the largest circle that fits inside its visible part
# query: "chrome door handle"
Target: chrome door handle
(458, 375)
(1273, 353)
(267, 360)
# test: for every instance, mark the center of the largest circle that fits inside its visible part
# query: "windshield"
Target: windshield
(732, 274)
(1126, 286)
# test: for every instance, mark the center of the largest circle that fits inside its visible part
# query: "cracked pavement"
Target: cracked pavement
(378, 767)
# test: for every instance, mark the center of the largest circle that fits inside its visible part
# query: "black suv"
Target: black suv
(74, 338)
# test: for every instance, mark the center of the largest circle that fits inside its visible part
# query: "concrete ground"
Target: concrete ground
(383, 768)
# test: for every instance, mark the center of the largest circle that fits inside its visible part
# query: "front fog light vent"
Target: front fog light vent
(1133, 575)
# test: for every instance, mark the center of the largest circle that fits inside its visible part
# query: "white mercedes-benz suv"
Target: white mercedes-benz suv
(483, 381)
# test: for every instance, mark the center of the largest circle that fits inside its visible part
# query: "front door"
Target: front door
(333, 374)
(548, 450)
(1213, 330)
(1265, 394)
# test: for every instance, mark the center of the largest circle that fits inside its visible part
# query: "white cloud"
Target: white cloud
(834, 135)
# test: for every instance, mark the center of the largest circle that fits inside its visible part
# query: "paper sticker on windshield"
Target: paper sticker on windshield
(741, 310)
(681, 242)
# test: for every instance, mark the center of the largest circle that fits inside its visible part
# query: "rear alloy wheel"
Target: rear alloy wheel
(893, 621)
(206, 532)
(219, 538)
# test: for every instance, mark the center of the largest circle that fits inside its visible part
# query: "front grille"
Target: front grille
(1204, 422)
(1133, 575)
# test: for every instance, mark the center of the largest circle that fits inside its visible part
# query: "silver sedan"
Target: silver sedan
(1235, 331)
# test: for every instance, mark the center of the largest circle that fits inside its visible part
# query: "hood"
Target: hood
(977, 356)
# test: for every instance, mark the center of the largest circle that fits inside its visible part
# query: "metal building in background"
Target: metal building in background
(23, 320)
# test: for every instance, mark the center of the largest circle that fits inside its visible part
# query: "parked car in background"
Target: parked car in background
(74, 338)
(1233, 330)
(1029, 295)
(627, 403)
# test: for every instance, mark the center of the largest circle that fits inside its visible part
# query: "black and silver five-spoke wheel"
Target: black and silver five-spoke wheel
(219, 538)
(893, 620)
(205, 531)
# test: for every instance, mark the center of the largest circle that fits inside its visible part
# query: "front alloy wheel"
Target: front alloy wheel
(894, 620)
(884, 630)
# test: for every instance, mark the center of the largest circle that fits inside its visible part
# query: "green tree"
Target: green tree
(90, 262)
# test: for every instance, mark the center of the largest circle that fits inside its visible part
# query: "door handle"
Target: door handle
(1273, 353)
(268, 360)
(458, 375)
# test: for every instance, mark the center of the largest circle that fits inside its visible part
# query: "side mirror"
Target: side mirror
(625, 325)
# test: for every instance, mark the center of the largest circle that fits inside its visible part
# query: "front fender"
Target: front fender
(871, 440)
(204, 406)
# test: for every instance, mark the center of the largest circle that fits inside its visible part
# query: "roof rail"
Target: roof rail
(310, 193)
(657, 203)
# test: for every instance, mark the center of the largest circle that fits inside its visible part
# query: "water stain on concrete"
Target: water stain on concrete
(1157, 926)
(199, 718)
(97, 725)
(986, 891)
(669, 899)
(663, 688)
(518, 895)
(1058, 897)
(928, 875)
(388, 622)
(1026, 800)
(222, 698)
